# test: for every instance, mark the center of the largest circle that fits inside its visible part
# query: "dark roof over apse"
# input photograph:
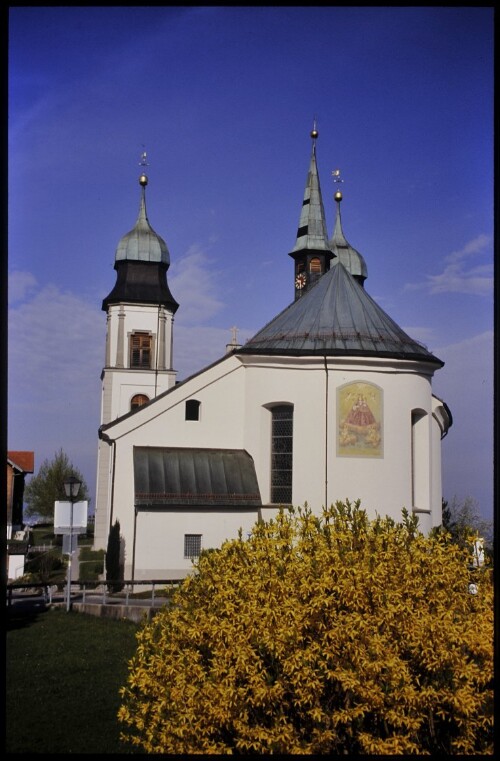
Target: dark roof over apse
(141, 263)
(336, 317)
(178, 476)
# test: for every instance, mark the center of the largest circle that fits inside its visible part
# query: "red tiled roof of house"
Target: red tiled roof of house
(25, 461)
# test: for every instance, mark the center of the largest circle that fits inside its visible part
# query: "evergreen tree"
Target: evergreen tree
(114, 570)
(47, 486)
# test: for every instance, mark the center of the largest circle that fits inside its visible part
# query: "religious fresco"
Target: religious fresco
(360, 420)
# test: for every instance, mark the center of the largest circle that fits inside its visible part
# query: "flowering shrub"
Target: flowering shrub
(330, 634)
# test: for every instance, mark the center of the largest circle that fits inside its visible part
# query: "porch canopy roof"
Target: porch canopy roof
(181, 476)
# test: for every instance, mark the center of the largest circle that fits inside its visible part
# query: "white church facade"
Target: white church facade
(330, 400)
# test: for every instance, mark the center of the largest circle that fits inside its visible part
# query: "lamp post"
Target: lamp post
(71, 487)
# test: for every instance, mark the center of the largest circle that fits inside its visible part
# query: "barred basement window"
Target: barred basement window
(282, 454)
(192, 545)
(140, 350)
(138, 400)
(192, 409)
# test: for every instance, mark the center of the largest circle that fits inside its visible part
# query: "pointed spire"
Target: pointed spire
(345, 253)
(312, 234)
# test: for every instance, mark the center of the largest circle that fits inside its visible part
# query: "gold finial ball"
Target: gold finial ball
(338, 195)
(314, 134)
(143, 180)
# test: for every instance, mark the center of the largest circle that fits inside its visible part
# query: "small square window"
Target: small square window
(192, 545)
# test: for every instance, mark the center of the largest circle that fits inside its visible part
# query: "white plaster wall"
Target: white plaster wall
(235, 395)
(160, 538)
(382, 484)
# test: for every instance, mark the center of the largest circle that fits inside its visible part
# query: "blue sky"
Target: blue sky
(223, 99)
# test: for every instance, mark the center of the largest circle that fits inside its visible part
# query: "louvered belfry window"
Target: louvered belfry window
(282, 454)
(140, 350)
(315, 265)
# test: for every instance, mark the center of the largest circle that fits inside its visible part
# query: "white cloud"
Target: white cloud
(56, 344)
(421, 334)
(21, 285)
(197, 347)
(56, 355)
(193, 283)
(465, 383)
(459, 275)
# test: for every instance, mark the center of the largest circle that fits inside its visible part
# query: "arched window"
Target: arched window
(138, 400)
(419, 455)
(282, 454)
(192, 409)
(315, 265)
(140, 350)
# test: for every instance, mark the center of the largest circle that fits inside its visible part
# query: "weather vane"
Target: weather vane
(143, 161)
(336, 176)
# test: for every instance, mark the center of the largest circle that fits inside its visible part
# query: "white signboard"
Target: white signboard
(62, 517)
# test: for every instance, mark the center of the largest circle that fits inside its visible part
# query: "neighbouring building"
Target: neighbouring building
(330, 400)
(19, 465)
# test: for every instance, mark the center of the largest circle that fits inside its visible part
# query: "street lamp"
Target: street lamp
(71, 487)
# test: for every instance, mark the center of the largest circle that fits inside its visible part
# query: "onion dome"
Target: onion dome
(141, 262)
(142, 243)
(345, 253)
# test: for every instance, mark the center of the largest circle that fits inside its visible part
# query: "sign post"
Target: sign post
(70, 518)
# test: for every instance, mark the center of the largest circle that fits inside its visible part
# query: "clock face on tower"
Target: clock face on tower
(300, 280)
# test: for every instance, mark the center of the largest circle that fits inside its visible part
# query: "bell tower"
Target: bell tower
(311, 252)
(139, 339)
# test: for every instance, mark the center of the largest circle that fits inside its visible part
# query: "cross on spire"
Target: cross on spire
(336, 176)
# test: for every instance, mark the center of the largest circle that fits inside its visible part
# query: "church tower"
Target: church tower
(139, 336)
(311, 252)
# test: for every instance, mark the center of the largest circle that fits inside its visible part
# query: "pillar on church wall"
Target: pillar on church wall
(161, 339)
(107, 360)
(169, 324)
(120, 340)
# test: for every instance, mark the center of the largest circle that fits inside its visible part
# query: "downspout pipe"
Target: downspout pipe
(326, 431)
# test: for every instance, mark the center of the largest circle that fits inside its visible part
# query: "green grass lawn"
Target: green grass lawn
(63, 673)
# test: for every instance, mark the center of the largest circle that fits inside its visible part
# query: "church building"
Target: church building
(330, 400)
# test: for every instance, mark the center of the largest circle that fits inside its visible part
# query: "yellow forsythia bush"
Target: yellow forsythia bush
(331, 634)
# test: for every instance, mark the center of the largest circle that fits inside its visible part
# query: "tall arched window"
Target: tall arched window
(282, 454)
(419, 456)
(138, 400)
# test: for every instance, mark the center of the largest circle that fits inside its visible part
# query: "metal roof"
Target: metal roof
(345, 253)
(311, 233)
(178, 476)
(336, 317)
(142, 243)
